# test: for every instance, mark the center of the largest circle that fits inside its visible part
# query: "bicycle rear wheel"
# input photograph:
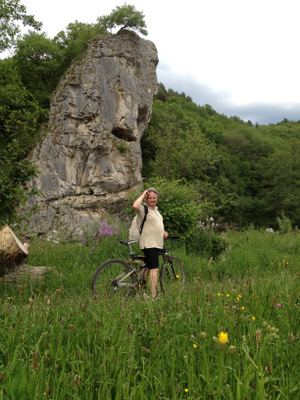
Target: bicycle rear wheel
(114, 277)
(172, 276)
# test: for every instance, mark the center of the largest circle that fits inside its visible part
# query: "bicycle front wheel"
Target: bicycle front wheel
(172, 276)
(114, 277)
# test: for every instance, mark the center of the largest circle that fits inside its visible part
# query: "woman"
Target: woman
(153, 234)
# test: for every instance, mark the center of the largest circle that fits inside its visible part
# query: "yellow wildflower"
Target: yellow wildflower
(194, 345)
(186, 390)
(223, 338)
(227, 295)
(243, 308)
(253, 318)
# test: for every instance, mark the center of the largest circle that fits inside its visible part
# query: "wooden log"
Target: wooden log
(12, 251)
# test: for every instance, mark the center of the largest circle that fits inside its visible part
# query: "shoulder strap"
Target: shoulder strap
(144, 219)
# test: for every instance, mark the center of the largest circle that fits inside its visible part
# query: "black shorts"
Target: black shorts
(152, 257)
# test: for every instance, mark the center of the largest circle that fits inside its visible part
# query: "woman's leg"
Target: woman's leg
(153, 282)
(152, 260)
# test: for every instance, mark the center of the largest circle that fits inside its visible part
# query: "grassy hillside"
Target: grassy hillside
(232, 334)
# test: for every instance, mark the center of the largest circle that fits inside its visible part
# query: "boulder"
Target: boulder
(89, 159)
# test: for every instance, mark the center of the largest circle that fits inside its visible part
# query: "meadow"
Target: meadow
(233, 333)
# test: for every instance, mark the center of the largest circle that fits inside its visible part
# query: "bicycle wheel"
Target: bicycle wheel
(114, 277)
(172, 276)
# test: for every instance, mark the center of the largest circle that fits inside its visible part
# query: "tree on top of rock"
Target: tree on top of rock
(125, 16)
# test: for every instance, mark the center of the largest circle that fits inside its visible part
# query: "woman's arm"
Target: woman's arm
(138, 202)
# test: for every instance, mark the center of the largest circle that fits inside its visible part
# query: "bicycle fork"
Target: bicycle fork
(169, 267)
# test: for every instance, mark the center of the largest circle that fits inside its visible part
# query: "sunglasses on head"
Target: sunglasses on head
(152, 191)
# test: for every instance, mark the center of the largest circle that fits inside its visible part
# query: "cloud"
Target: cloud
(257, 112)
(265, 113)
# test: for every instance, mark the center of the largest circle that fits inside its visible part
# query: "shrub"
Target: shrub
(179, 205)
(205, 241)
(284, 223)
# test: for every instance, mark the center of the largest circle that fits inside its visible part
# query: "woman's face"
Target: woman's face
(151, 199)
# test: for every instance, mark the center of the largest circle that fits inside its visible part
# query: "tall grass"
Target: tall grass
(232, 334)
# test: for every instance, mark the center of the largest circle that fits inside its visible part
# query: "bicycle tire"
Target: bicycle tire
(172, 276)
(110, 278)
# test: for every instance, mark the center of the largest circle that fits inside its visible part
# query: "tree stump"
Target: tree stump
(12, 251)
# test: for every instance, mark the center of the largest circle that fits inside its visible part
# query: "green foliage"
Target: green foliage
(174, 146)
(73, 42)
(243, 174)
(19, 116)
(10, 12)
(125, 16)
(204, 240)
(281, 175)
(284, 223)
(19, 112)
(39, 62)
(14, 174)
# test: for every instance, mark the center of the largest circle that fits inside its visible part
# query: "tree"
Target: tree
(40, 64)
(19, 112)
(74, 40)
(174, 146)
(19, 116)
(280, 191)
(11, 11)
(125, 16)
(15, 172)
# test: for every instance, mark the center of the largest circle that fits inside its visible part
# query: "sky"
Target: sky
(239, 56)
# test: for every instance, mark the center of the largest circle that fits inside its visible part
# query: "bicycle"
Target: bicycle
(129, 277)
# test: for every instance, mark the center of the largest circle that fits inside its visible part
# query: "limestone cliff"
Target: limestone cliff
(90, 158)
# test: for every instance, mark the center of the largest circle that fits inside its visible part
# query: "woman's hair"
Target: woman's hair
(152, 190)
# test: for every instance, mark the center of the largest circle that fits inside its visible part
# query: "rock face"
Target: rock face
(90, 159)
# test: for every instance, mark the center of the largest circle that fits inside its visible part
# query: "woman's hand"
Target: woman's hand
(165, 235)
(137, 204)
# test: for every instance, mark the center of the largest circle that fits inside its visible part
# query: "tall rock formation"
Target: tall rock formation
(90, 158)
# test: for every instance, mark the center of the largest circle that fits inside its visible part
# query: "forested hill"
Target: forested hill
(242, 173)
